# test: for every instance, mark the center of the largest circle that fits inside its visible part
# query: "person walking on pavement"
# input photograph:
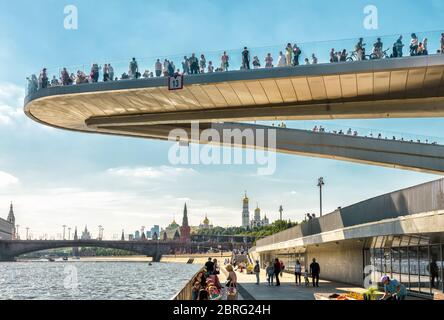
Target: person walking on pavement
(270, 273)
(277, 271)
(257, 271)
(298, 272)
(315, 270)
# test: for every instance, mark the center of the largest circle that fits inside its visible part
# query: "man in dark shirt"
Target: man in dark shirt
(315, 270)
(277, 271)
(209, 266)
(246, 59)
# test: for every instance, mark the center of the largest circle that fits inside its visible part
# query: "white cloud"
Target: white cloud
(11, 102)
(7, 179)
(149, 172)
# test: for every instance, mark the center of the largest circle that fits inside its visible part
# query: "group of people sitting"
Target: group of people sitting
(206, 284)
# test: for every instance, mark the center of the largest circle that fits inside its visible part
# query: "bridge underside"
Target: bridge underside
(409, 87)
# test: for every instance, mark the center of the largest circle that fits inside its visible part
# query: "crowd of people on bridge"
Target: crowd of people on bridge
(289, 57)
(354, 133)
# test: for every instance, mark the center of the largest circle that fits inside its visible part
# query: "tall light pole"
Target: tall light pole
(321, 183)
(64, 227)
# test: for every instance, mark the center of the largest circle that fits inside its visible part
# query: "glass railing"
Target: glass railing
(310, 52)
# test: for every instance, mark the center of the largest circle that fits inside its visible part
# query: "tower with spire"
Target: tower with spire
(246, 212)
(185, 230)
(11, 220)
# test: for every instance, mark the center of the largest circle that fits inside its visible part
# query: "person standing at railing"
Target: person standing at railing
(95, 73)
(185, 65)
(111, 72)
(66, 80)
(289, 54)
(210, 67)
(414, 45)
(106, 73)
(332, 55)
(54, 82)
(225, 61)
(397, 48)
(202, 63)
(282, 61)
(43, 79)
(268, 61)
(359, 48)
(246, 59)
(425, 44)
(314, 59)
(133, 69)
(194, 64)
(296, 54)
(158, 68)
(377, 49)
(256, 62)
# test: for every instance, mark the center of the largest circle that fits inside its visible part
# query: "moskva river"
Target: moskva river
(79, 280)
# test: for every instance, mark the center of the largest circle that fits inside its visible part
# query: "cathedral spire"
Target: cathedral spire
(11, 217)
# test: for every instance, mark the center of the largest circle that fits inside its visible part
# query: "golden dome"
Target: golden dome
(206, 221)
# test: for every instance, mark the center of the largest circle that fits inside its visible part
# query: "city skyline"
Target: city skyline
(62, 178)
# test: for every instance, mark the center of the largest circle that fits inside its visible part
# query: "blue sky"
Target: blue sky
(56, 177)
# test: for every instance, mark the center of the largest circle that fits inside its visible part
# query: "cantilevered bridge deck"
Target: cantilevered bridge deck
(409, 87)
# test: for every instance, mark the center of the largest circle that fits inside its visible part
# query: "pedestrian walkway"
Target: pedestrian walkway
(288, 289)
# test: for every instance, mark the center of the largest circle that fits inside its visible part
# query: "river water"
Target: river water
(78, 280)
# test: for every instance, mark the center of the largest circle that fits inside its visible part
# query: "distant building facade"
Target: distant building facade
(7, 227)
(86, 235)
(258, 222)
(205, 225)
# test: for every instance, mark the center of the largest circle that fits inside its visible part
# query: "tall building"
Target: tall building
(137, 235)
(155, 230)
(185, 230)
(86, 235)
(75, 250)
(7, 227)
(246, 212)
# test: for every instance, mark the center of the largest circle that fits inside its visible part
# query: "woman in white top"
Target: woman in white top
(282, 62)
(414, 45)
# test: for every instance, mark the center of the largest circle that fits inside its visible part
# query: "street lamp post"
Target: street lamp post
(321, 183)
